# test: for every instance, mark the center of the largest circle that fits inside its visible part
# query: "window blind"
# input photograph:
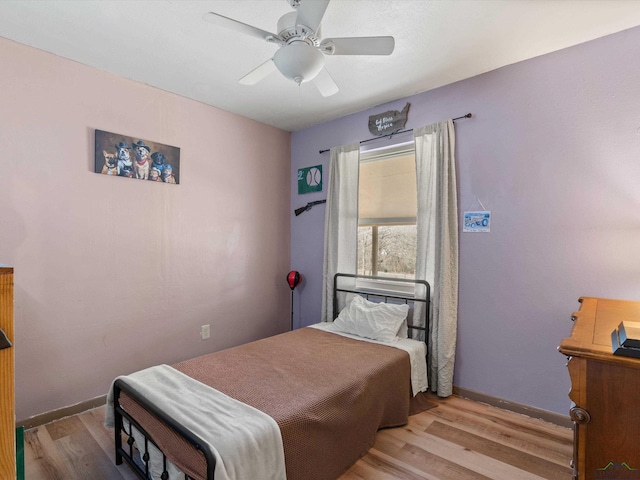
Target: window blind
(387, 190)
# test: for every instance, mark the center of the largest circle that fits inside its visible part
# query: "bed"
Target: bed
(302, 405)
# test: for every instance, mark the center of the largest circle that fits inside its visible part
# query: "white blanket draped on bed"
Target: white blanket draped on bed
(247, 441)
(417, 351)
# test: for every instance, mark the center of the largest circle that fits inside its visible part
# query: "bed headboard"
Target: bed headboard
(344, 283)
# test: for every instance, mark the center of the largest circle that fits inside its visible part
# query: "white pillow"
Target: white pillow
(377, 321)
(403, 331)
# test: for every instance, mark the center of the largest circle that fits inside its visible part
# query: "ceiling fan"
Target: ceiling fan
(302, 50)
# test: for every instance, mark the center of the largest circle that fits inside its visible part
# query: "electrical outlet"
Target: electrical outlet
(205, 332)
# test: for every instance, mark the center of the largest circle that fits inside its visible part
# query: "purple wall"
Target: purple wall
(553, 151)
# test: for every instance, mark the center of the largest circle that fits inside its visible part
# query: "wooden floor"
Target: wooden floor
(457, 440)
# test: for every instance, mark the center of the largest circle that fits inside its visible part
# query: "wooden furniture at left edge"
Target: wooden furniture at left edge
(605, 390)
(7, 387)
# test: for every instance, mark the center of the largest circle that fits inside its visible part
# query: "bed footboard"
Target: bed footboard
(127, 452)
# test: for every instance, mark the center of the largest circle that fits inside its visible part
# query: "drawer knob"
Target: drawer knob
(579, 415)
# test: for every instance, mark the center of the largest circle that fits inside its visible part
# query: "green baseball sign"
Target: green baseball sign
(310, 179)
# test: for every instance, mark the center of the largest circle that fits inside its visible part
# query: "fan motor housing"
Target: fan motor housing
(289, 31)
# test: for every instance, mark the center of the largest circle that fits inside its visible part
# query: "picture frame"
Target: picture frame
(125, 156)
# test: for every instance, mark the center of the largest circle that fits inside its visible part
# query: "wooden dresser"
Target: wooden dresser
(7, 388)
(605, 389)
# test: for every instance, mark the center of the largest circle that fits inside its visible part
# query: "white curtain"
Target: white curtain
(437, 245)
(341, 221)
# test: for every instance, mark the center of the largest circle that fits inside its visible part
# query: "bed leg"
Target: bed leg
(117, 427)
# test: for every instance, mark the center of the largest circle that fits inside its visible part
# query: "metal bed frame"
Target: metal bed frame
(127, 453)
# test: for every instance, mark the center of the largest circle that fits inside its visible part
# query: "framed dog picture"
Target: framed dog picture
(131, 157)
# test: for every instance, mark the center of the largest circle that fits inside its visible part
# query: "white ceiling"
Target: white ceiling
(166, 44)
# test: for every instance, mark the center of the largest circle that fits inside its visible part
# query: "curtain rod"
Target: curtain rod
(468, 115)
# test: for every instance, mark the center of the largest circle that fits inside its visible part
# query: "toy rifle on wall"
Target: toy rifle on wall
(308, 206)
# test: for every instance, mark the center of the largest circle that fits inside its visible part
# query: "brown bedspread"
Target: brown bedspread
(329, 395)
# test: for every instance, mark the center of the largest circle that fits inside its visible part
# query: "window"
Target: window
(387, 209)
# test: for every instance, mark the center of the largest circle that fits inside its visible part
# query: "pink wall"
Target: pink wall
(112, 274)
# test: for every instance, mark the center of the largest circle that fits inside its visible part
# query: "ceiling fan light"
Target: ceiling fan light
(299, 61)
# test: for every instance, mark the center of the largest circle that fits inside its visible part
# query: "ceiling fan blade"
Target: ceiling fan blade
(325, 84)
(310, 13)
(358, 46)
(258, 73)
(226, 22)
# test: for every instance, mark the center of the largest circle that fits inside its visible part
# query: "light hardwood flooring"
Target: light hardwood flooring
(457, 440)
